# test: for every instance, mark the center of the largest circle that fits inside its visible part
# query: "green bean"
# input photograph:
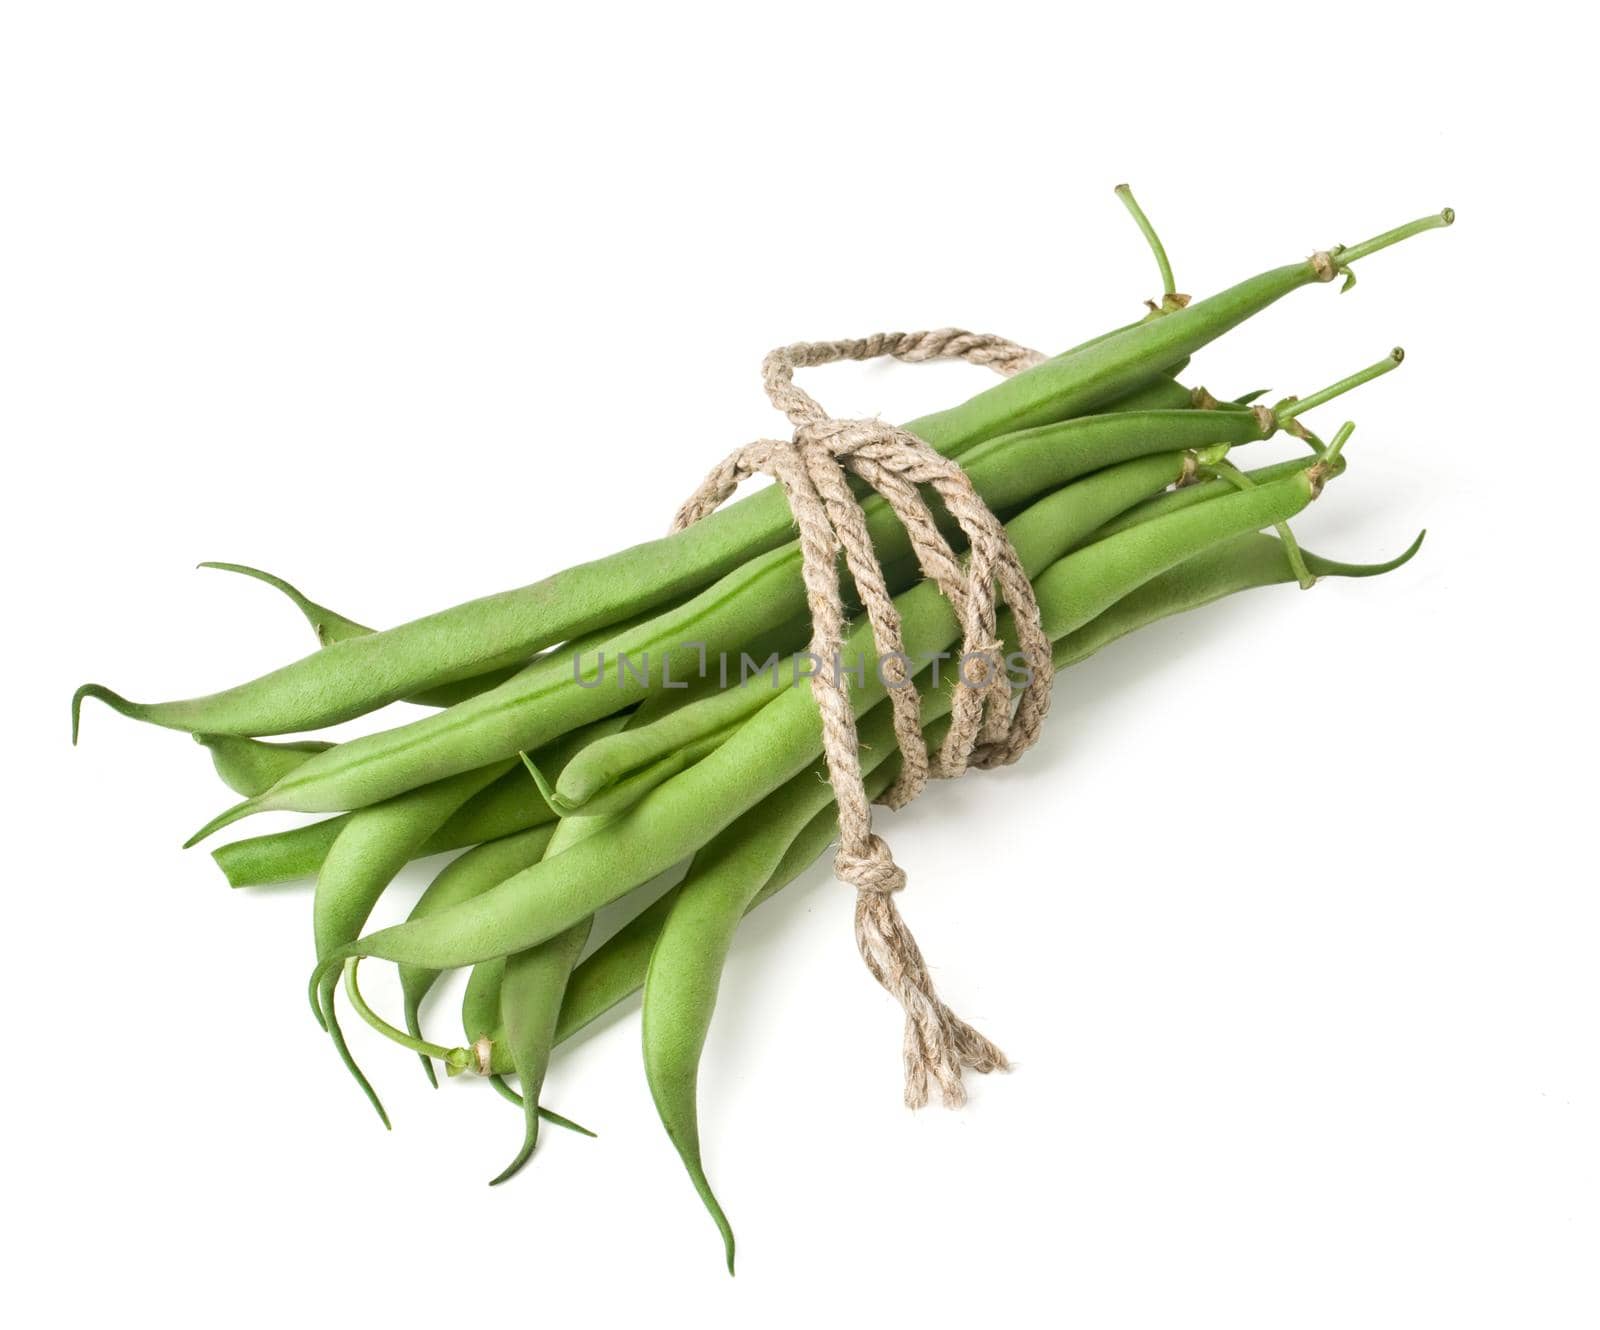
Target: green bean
(466, 876)
(355, 676)
(371, 848)
(794, 632)
(785, 737)
(330, 626)
(542, 702)
(250, 766)
(513, 803)
(278, 856)
(1204, 488)
(532, 986)
(480, 1002)
(616, 968)
(530, 1000)
(477, 871)
(685, 968)
(666, 758)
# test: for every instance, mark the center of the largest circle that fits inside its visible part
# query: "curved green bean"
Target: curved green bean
(252, 766)
(371, 848)
(279, 856)
(511, 804)
(467, 875)
(685, 967)
(532, 986)
(480, 1001)
(330, 626)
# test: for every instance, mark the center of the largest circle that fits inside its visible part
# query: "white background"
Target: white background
(1289, 922)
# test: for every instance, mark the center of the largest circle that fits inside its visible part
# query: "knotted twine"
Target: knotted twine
(984, 731)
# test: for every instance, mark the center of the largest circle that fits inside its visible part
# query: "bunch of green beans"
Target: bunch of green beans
(1119, 495)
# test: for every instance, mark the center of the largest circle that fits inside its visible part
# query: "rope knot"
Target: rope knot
(874, 872)
(814, 472)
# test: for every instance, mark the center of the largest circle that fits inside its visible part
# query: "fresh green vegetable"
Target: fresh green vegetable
(573, 780)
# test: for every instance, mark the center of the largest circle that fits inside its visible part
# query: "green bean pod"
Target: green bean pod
(685, 967)
(252, 766)
(1202, 489)
(480, 1010)
(511, 804)
(480, 1001)
(330, 626)
(530, 995)
(530, 990)
(279, 856)
(372, 847)
(468, 875)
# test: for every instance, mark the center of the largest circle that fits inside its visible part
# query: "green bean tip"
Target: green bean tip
(413, 1018)
(1447, 216)
(1322, 567)
(578, 1127)
(113, 700)
(315, 994)
(1400, 560)
(559, 806)
(222, 819)
(515, 1166)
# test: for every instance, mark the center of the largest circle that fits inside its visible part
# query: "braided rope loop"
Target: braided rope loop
(813, 467)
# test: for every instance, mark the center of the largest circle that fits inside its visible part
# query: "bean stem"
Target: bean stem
(1299, 405)
(1346, 254)
(1168, 286)
(456, 1060)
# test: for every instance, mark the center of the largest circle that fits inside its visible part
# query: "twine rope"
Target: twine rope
(813, 468)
